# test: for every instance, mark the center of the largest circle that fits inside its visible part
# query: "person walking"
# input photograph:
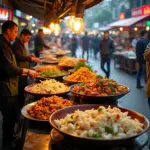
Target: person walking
(74, 44)
(9, 72)
(135, 40)
(147, 59)
(106, 50)
(96, 41)
(85, 41)
(140, 48)
(39, 43)
(23, 60)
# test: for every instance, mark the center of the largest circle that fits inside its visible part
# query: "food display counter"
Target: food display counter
(85, 91)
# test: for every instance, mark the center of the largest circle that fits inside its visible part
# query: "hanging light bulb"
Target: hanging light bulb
(70, 22)
(52, 26)
(57, 29)
(78, 25)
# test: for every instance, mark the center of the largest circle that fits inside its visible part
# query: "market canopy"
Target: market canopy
(40, 8)
(128, 22)
(105, 28)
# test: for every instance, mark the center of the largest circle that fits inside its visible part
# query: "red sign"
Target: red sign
(146, 10)
(141, 11)
(122, 16)
(4, 14)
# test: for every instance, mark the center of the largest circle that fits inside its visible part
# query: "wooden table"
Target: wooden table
(126, 63)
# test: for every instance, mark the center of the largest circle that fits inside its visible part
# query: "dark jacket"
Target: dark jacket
(39, 43)
(85, 42)
(140, 48)
(95, 43)
(106, 48)
(21, 54)
(8, 69)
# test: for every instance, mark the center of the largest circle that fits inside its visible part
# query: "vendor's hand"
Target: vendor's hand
(35, 59)
(32, 55)
(33, 74)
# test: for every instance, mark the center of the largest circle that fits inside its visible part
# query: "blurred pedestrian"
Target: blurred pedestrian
(147, 58)
(23, 60)
(135, 40)
(74, 44)
(96, 42)
(39, 43)
(85, 41)
(140, 48)
(106, 50)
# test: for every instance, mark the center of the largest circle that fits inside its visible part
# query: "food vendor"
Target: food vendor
(23, 60)
(39, 43)
(9, 73)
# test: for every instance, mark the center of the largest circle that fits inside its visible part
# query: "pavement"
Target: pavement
(135, 100)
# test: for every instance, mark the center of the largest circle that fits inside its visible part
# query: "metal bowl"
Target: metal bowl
(66, 67)
(90, 99)
(40, 95)
(49, 61)
(58, 78)
(25, 113)
(60, 114)
(70, 82)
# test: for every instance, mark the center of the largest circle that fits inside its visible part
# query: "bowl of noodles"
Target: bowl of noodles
(47, 88)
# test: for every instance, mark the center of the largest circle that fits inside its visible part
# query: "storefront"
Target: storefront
(139, 21)
(21, 19)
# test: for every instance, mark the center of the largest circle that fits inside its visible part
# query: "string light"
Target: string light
(121, 28)
(78, 25)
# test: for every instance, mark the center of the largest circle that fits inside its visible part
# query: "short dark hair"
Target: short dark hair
(106, 32)
(8, 25)
(25, 32)
(40, 30)
(86, 33)
(143, 33)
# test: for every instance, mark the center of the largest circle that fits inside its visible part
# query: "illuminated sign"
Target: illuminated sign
(144, 10)
(122, 16)
(136, 12)
(4, 14)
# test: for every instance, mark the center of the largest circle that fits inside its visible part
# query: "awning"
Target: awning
(129, 22)
(40, 8)
(105, 28)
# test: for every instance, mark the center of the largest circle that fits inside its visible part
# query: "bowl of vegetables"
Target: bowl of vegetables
(52, 74)
(81, 75)
(100, 91)
(99, 124)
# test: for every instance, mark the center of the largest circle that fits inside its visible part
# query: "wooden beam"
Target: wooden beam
(43, 1)
(45, 4)
(8, 3)
(28, 2)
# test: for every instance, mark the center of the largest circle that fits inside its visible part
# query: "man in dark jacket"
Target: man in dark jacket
(9, 73)
(85, 42)
(140, 48)
(39, 43)
(106, 50)
(74, 43)
(95, 43)
(23, 60)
